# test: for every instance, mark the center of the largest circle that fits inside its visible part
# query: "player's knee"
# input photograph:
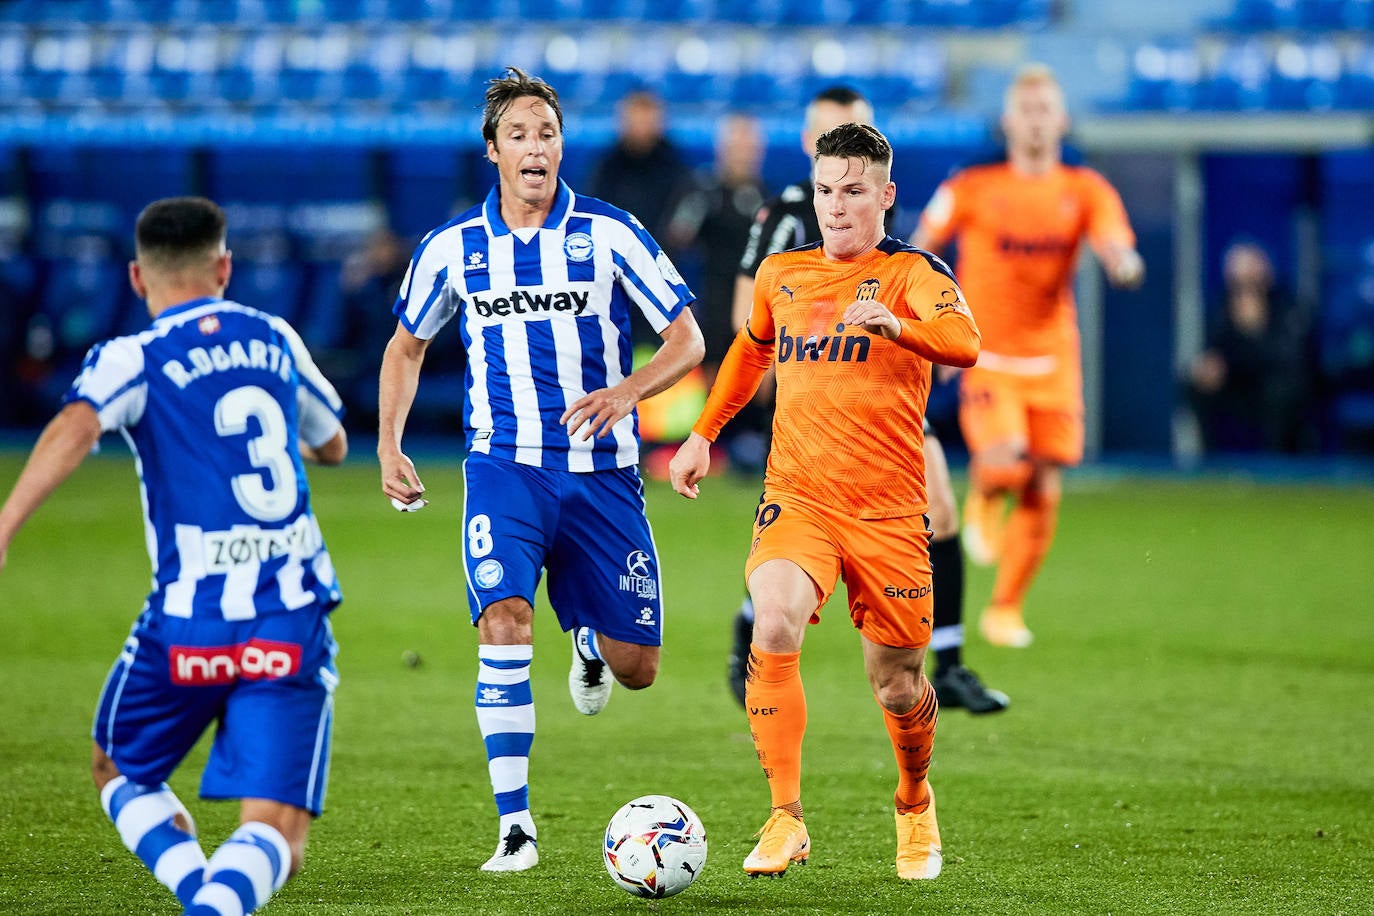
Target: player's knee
(509, 621)
(103, 769)
(899, 696)
(637, 672)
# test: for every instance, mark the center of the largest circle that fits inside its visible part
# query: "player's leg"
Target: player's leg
(896, 625)
(508, 510)
(1055, 436)
(271, 751)
(741, 635)
(151, 727)
(785, 598)
(255, 861)
(1030, 532)
(992, 418)
(605, 585)
(154, 825)
(957, 685)
(910, 708)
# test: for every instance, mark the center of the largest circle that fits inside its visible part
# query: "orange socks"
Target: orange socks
(776, 705)
(913, 737)
(1030, 531)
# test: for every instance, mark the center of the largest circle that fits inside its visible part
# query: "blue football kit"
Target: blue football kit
(212, 399)
(544, 314)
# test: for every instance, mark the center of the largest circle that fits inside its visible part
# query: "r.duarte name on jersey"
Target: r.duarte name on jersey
(521, 302)
(237, 354)
(846, 348)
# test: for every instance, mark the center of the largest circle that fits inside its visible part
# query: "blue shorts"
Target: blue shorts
(588, 530)
(268, 683)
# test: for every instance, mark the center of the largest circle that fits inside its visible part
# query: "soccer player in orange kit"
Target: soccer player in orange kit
(851, 325)
(1018, 223)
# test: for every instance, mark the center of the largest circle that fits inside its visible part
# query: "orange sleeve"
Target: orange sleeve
(942, 329)
(1107, 221)
(745, 363)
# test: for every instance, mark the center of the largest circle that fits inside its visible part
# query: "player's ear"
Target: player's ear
(889, 195)
(491, 151)
(224, 268)
(136, 280)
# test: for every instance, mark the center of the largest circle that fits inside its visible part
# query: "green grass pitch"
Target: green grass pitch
(1192, 731)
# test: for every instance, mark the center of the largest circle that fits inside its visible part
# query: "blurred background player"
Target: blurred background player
(1018, 221)
(1250, 386)
(850, 325)
(541, 282)
(787, 221)
(219, 403)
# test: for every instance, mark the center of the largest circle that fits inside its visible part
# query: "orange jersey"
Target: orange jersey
(1018, 238)
(850, 404)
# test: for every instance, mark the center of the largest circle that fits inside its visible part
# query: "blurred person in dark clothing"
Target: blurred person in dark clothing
(643, 172)
(1251, 384)
(714, 216)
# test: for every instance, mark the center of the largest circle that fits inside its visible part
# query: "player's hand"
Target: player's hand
(595, 413)
(691, 463)
(399, 480)
(1129, 270)
(873, 317)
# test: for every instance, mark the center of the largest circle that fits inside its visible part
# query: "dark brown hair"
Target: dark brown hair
(504, 90)
(855, 141)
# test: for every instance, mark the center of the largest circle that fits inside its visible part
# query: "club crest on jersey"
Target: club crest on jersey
(578, 247)
(868, 290)
(488, 573)
(208, 325)
(665, 267)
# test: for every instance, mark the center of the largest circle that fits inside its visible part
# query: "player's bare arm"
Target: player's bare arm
(1124, 266)
(64, 444)
(596, 412)
(400, 376)
(332, 452)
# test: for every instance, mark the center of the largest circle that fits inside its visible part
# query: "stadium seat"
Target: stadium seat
(1240, 80)
(1306, 76)
(1165, 76)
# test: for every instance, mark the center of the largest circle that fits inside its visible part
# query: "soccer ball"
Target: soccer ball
(655, 846)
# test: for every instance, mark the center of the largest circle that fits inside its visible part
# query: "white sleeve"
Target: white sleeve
(426, 301)
(647, 274)
(319, 406)
(112, 381)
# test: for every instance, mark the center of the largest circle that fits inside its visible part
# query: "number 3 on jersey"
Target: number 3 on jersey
(268, 451)
(479, 536)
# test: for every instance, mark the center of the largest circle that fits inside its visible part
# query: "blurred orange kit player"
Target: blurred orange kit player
(1019, 222)
(851, 325)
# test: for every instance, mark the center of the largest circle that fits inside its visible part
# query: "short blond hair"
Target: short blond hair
(1033, 75)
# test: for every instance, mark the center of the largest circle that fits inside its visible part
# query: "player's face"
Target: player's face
(528, 151)
(850, 196)
(1034, 119)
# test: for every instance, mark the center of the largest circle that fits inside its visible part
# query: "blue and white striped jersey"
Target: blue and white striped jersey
(545, 318)
(212, 399)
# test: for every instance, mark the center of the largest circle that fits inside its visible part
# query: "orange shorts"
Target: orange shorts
(1045, 412)
(884, 563)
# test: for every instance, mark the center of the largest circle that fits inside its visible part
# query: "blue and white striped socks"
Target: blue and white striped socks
(250, 867)
(505, 714)
(144, 815)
